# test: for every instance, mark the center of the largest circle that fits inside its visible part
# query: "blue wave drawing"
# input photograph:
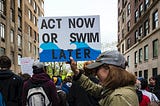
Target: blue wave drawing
(82, 53)
(49, 46)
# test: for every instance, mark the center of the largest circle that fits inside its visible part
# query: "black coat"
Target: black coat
(79, 97)
(11, 87)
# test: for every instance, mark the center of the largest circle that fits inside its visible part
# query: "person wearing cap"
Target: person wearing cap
(40, 77)
(117, 85)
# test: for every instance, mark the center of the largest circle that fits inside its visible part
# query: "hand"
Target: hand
(73, 65)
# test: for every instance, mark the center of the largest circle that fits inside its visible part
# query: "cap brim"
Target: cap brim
(94, 65)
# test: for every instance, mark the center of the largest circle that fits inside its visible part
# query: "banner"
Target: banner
(63, 37)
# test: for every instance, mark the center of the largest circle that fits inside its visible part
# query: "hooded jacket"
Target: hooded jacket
(11, 87)
(48, 85)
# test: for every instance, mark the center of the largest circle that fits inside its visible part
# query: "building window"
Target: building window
(128, 9)
(140, 31)
(19, 22)
(146, 4)
(118, 26)
(155, 19)
(128, 60)
(136, 36)
(136, 2)
(155, 48)
(2, 7)
(35, 50)
(30, 47)
(35, 35)
(12, 57)
(122, 33)
(19, 59)
(34, 6)
(128, 43)
(35, 20)
(140, 73)
(2, 30)
(146, 53)
(136, 16)
(128, 26)
(12, 36)
(154, 72)
(19, 41)
(146, 28)
(135, 57)
(30, 15)
(140, 9)
(30, 1)
(19, 3)
(29, 31)
(12, 10)
(135, 74)
(140, 55)
(2, 51)
(123, 17)
(146, 74)
(122, 48)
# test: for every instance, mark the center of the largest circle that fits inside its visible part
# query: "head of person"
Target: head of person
(5, 62)
(25, 76)
(38, 68)
(152, 81)
(144, 83)
(110, 69)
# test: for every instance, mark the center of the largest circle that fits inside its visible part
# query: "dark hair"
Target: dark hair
(144, 83)
(38, 70)
(5, 62)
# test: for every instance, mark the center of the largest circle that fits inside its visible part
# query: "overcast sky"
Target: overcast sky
(107, 9)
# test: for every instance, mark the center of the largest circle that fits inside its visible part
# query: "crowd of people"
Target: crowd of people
(103, 82)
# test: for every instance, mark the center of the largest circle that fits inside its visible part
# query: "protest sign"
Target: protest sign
(26, 65)
(63, 37)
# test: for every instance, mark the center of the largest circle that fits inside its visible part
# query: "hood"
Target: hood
(5, 74)
(40, 78)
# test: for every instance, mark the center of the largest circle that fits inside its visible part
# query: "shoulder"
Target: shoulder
(16, 77)
(125, 92)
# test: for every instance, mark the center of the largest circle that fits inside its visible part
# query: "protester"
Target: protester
(152, 83)
(144, 85)
(154, 86)
(143, 99)
(117, 85)
(10, 83)
(25, 76)
(40, 78)
(78, 96)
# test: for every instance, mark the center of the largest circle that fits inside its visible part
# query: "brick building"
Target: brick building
(139, 35)
(18, 29)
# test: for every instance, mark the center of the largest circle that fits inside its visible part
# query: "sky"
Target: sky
(106, 9)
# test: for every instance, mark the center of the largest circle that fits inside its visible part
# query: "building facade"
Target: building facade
(139, 35)
(19, 30)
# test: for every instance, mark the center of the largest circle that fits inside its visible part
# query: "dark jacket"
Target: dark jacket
(48, 85)
(79, 97)
(11, 86)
